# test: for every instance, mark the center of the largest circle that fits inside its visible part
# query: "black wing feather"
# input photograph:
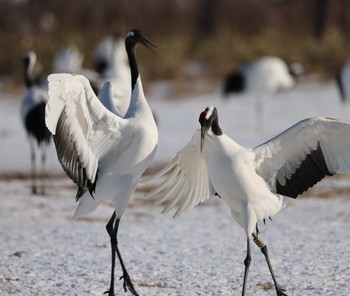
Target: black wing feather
(311, 170)
(69, 159)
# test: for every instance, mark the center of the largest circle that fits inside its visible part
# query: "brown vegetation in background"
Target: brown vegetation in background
(222, 34)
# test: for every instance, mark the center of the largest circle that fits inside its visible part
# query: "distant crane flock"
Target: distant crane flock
(105, 145)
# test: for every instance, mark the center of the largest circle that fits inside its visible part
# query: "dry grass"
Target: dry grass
(330, 191)
(220, 53)
(265, 286)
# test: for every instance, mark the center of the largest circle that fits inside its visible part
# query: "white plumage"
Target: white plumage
(70, 60)
(109, 94)
(256, 183)
(102, 152)
(343, 81)
(263, 75)
(186, 181)
(111, 61)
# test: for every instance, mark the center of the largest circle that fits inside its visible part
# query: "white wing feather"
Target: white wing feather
(186, 180)
(87, 123)
(280, 157)
(110, 96)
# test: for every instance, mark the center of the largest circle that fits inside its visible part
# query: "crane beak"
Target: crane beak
(147, 43)
(204, 130)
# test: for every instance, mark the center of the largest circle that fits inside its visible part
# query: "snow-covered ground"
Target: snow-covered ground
(44, 251)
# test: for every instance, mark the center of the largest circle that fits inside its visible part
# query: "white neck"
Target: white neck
(225, 143)
(138, 102)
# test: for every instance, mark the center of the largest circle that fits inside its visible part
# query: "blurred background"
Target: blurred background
(200, 43)
(212, 36)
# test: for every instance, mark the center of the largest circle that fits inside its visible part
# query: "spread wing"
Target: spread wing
(84, 130)
(185, 180)
(109, 96)
(298, 158)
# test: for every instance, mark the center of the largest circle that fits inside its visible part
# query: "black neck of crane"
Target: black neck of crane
(28, 76)
(130, 49)
(215, 124)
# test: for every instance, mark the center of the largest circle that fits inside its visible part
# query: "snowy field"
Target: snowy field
(44, 251)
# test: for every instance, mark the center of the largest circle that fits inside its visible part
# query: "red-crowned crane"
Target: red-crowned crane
(33, 117)
(256, 183)
(103, 153)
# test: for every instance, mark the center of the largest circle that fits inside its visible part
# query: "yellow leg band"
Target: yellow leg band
(259, 242)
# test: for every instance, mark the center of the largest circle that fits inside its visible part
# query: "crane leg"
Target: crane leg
(43, 170)
(32, 156)
(263, 248)
(247, 261)
(112, 229)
